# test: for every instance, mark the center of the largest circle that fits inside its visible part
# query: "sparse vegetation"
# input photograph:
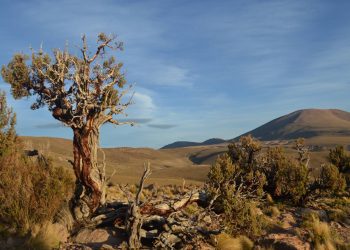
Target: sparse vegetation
(240, 177)
(250, 191)
(31, 189)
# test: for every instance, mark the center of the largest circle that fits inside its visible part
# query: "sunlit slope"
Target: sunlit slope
(168, 166)
(307, 123)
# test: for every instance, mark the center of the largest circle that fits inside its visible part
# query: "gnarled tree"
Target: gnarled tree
(83, 92)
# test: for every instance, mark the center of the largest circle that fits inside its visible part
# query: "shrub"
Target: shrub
(227, 179)
(287, 178)
(330, 180)
(8, 136)
(242, 216)
(31, 189)
(292, 181)
(244, 152)
(341, 159)
(235, 182)
(31, 192)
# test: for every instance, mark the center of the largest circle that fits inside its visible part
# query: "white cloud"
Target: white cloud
(142, 107)
(157, 73)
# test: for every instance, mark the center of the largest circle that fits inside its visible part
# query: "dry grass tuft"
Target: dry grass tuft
(226, 242)
(320, 233)
(31, 191)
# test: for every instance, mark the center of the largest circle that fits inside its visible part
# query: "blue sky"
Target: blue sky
(201, 69)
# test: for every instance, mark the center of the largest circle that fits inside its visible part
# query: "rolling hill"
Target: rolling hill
(191, 161)
(170, 166)
(305, 123)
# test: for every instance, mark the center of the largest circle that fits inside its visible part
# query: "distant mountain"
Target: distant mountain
(182, 144)
(305, 123)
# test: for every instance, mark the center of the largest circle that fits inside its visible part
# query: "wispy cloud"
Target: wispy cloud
(137, 120)
(164, 74)
(161, 126)
(49, 126)
(199, 73)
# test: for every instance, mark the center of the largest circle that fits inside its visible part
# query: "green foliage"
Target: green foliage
(243, 216)
(341, 159)
(70, 86)
(330, 179)
(226, 179)
(17, 72)
(8, 136)
(244, 152)
(235, 182)
(292, 181)
(287, 178)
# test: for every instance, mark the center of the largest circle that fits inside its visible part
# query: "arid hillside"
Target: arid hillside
(333, 124)
(323, 129)
(168, 166)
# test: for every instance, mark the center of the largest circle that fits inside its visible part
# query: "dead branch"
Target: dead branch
(134, 218)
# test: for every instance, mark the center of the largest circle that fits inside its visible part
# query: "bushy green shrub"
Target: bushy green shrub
(341, 159)
(242, 216)
(235, 182)
(287, 177)
(330, 179)
(292, 181)
(226, 178)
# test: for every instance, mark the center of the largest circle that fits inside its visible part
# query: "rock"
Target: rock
(96, 238)
(284, 242)
(162, 207)
(170, 239)
(322, 214)
(77, 213)
(56, 233)
(10, 241)
(207, 219)
(335, 225)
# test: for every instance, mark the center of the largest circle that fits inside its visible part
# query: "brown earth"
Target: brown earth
(169, 166)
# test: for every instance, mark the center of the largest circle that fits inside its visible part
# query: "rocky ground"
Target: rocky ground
(183, 229)
(175, 217)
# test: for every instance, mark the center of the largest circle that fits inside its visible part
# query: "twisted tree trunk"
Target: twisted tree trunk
(90, 177)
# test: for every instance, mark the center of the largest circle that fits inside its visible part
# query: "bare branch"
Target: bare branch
(99, 48)
(146, 174)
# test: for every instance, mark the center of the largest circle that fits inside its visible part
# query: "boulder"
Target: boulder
(96, 238)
